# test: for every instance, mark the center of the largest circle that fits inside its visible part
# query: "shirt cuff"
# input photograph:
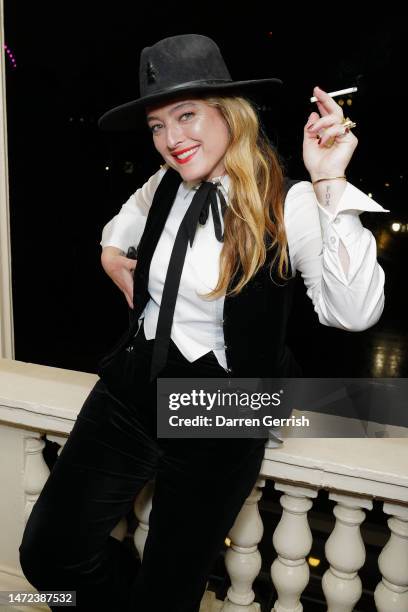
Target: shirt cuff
(345, 223)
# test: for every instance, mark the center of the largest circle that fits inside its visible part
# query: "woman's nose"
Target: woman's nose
(174, 134)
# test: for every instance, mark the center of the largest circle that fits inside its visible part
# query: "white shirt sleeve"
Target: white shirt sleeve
(336, 256)
(126, 228)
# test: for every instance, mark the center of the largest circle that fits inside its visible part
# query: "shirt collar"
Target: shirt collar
(187, 186)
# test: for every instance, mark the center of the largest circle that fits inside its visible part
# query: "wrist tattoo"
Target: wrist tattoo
(327, 196)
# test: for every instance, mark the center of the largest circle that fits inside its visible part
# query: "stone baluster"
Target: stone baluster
(345, 552)
(242, 559)
(292, 541)
(36, 471)
(142, 508)
(391, 594)
(120, 530)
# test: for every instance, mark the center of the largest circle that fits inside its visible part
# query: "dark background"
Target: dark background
(73, 62)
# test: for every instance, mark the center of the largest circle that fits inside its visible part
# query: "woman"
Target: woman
(218, 247)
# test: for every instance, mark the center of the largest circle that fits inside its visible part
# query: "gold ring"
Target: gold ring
(348, 123)
(330, 142)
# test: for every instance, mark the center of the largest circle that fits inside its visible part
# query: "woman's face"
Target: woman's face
(196, 131)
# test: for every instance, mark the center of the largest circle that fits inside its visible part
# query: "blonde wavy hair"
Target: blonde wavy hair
(256, 199)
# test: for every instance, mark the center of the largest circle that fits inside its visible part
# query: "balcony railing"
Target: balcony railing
(37, 400)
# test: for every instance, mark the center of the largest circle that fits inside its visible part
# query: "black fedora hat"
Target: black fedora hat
(189, 64)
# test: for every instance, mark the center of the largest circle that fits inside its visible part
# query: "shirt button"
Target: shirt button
(337, 220)
(225, 346)
(333, 240)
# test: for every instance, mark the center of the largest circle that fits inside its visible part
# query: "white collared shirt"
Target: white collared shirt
(335, 255)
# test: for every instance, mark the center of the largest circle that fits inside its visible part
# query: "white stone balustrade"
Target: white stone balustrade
(242, 560)
(292, 541)
(35, 471)
(142, 509)
(37, 400)
(391, 594)
(345, 552)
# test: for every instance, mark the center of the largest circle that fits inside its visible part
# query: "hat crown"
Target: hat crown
(180, 66)
(178, 60)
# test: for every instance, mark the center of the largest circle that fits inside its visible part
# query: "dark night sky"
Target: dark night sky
(75, 59)
(74, 62)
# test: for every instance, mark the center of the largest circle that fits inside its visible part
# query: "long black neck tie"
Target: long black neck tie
(197, 212)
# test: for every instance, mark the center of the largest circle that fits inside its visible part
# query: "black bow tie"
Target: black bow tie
(197, 212)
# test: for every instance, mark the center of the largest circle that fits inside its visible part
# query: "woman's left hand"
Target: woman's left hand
(322, 160)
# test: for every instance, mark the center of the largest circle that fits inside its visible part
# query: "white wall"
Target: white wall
(6, 306)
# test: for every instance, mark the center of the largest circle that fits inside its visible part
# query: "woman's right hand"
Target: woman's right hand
(120, 269)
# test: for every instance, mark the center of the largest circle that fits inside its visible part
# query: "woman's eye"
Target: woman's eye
(158, 125)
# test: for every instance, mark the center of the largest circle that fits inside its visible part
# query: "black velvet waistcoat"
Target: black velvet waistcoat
(254, 321)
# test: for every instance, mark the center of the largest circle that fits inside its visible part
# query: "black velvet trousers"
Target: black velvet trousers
(112, 451)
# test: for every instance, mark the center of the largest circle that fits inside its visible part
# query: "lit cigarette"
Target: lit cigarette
(333, 94)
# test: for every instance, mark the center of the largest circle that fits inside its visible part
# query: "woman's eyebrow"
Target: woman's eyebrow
(173, 110)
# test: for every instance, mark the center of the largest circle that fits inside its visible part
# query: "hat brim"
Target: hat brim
(130, 116)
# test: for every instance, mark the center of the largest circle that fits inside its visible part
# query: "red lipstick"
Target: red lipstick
(186, 159)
